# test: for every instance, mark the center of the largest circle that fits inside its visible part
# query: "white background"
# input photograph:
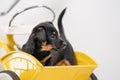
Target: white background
(92, 26)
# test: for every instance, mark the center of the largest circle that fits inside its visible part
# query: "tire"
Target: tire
(8, 75)
(93, 77)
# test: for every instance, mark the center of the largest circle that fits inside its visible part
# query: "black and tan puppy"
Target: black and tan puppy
(44, 43)
(48, 47)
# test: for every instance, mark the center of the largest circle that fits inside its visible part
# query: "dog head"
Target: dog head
(46, 34)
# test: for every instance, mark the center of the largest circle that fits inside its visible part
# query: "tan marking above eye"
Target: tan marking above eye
(53, 32)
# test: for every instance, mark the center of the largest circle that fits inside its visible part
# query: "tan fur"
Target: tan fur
(64, 61)
(45, 59)
(46, 47)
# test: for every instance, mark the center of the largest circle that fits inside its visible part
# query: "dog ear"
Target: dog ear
(29, 46)
(35, 40)
(40, 34)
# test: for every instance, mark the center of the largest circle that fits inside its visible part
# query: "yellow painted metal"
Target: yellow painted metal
(20, 62)
(29, 68)
(8, 43)
(10, 40)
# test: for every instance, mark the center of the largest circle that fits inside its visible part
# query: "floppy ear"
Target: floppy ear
(40, 34)
(35, 40)
(29, 46)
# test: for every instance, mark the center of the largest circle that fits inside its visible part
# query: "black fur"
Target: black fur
(68, 52)
(44, 33)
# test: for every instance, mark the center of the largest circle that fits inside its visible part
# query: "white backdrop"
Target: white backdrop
(92, 26)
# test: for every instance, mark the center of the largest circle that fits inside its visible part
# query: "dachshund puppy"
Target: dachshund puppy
(48, 47)
(44, 43)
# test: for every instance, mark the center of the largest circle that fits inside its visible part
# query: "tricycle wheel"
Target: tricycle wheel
(93, 77)
(8, 75)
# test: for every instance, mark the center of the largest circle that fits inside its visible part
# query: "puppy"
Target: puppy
(48, 47)
(44, 43)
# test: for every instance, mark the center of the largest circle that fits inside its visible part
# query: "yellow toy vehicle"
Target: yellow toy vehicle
(29, 68)
(18, 65)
